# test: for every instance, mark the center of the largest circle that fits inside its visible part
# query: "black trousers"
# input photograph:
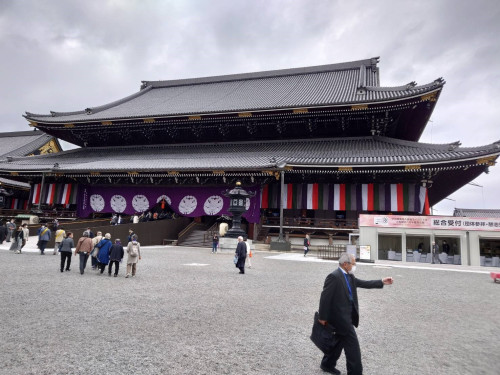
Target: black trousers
(65, 255)
(102, 266)
(350, 344)
(117, 266)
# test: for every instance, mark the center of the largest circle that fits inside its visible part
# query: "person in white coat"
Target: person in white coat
(249, 254)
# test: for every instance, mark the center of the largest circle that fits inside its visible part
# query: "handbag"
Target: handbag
(95, 252)
(250, 254)
(322, 335)
(235, 260)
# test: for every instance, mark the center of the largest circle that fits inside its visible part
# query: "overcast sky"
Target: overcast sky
(67, 55)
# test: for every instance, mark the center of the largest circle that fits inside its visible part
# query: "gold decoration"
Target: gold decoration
(245, 114)
(14, 173)
(107, 122)
(149, 120)
(95, 173)
(194, 118)
(173, 173)
(270, 173)
(432, 97)
(300, 110)
(69, 125)
(50, 147)
(33, 123)
(133, 173)
(412, 167)
(359, 107)
(345, 168)
(218, 172)
(490, 160)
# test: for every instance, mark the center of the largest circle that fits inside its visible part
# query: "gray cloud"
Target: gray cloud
(69, 55)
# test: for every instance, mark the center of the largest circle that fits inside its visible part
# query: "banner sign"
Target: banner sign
(185, 201)
(430, 222)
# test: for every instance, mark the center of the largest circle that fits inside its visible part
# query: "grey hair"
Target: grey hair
(240, 238)
(345, 258)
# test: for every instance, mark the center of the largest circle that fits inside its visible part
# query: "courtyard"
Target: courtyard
(190, 312)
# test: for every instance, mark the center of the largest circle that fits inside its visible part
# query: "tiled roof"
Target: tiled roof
(22, 143)
(473, 212)
(8, 183)
(337, 84)
(359, 151)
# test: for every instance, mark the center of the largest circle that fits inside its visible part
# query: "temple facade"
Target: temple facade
(328, 143)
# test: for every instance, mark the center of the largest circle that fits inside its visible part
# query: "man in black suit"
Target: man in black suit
(241, 253)
(338, 308)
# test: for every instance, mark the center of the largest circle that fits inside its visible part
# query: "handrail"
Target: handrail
(183, 233)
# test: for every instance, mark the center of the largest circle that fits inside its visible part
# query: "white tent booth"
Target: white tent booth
(460, 240)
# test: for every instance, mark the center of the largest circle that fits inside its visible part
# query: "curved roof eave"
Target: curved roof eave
(44, 119)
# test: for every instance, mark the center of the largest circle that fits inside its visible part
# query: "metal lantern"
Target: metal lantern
(237, 206)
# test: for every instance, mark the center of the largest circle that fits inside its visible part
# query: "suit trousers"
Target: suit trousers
(350, 344)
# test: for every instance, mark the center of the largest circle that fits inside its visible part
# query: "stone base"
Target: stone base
(280, 246)
(228, 244)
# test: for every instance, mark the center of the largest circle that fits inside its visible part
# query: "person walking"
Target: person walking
(83, 248)
(249, 253)
(43, 238)
(307, 243)
(17, 242)
(134, 255)
(115, 256)
(65, 248)
(26, 235)
(59, 236)
(241, 253)
(11, 227)
(103, 256)
(215, 243)
(93, 257)
(338, 308)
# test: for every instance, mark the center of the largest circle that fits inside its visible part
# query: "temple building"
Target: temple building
(329, 142)
(14, 195)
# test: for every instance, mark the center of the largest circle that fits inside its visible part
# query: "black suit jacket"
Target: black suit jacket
(335, 306)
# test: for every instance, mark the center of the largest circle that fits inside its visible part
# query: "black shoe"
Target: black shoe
(115, 275)
(62, 270)
(81, 272)
(68, 269)
(330, 370)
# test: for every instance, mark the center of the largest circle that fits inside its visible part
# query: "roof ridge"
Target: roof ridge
(263, 74)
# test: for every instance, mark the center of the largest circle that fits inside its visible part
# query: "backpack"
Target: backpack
(135, 250)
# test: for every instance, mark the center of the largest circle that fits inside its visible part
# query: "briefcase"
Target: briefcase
(322, 336)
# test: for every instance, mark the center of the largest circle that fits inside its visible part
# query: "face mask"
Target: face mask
(353, 269)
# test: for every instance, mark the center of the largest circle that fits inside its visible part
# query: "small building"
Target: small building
(473, 241)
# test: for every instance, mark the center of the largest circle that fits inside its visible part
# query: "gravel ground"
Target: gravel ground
(190, 312)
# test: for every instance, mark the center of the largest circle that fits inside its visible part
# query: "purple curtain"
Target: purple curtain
(185, 201)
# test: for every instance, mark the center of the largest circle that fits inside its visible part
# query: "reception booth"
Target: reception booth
(460, 240)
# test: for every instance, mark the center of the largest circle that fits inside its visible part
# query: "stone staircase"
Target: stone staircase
(195, 239)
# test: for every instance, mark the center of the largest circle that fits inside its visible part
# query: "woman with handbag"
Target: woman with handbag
(307, 243)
